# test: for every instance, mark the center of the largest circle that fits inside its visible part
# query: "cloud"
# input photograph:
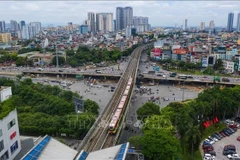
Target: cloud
(160, 13)
(32, 7)
(13, 7)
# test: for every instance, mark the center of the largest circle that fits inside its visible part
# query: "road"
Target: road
(169, 92)
(146, 67)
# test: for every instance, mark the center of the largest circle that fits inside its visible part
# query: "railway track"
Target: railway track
(100, 138)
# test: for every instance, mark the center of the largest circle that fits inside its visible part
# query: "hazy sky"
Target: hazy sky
(160, 13)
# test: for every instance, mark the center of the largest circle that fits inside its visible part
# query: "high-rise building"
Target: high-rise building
(124, 17)
(185, 24)
(29, 31)
(91, 19)
(114, 25)
(5, 37)
(211, 24)
(25, 32)
(37, 26)
(2, 26)
(14, 25)
(230, 22)
(104, 22)
(238, 23)
(83, 29)
(140, 23)
(22, 23)
(202, 26)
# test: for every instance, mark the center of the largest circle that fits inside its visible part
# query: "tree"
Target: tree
(91, 106)
(194, 138)
(160, 145)
(147, 110)
(218, 64)
(135, 141)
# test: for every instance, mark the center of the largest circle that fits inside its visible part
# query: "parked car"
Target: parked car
(238, 138)
(233, 156)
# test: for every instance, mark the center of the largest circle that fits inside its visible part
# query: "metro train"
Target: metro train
(117, 116)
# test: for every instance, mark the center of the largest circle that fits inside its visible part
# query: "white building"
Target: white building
(104, 22)
(5, 93)
(10, 144)
(228, 66)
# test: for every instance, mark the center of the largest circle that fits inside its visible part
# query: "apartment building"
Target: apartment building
(10, 144)
(5, 37)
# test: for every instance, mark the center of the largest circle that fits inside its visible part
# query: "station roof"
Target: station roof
(113, 153)
(49, 148)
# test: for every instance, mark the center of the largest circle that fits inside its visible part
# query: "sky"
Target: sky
(160, 13)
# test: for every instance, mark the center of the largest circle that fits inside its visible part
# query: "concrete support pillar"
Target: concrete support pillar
(179, 82)
(57, 76)
(37, 75)
(105, 78)
(206, 84)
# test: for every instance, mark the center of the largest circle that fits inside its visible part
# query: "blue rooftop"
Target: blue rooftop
(122, 152)
(83, 155)
(37, 150)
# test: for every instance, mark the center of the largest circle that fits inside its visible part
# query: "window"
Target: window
(14, 147)
(4, 156)
(12, 123)
(0, 132)
(1, 145)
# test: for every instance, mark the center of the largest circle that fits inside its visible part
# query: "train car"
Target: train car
(114, 122)
(126, 92)
(117, 116)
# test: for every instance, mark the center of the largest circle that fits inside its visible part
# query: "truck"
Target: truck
(216, 79)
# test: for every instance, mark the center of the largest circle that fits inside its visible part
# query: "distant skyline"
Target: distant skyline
(160, 13)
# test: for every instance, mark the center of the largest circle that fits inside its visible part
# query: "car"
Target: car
(216, 136)
(205, 77)
(233, 125)
(159, 75)
(209, 157)
(189, 76)
(212, 152)
(227, 152)
(209, 141)
(221, 136)
(233, 156)
(238, 138)
(204, 146)
(222, 133)
(229, 147)
(233, 130)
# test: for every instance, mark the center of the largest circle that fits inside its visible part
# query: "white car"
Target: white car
(208, 157)
(230, 156)
(209, 141)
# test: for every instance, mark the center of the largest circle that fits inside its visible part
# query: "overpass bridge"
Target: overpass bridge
(154, 78)
(65, 74)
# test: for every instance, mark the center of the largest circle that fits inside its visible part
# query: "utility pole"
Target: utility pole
(56, 57)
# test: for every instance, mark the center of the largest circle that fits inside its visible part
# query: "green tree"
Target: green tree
(160, 145)
(147, 110)
(91, 106)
